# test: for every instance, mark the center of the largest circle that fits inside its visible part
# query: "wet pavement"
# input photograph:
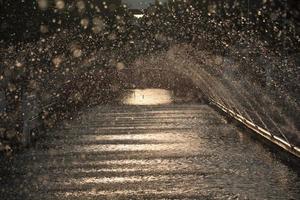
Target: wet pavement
(168, 151)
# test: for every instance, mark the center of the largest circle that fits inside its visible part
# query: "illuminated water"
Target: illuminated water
(183, 151)
(148, 97)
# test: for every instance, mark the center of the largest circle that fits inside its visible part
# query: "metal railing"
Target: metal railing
(282, 143)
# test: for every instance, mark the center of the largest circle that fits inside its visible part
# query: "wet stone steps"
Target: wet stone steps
(147, 152)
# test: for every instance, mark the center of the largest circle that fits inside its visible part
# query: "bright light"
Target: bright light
(139, 15)
(148, 97)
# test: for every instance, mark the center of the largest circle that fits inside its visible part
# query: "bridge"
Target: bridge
(185, 150)
(154, 144)
(190, 100)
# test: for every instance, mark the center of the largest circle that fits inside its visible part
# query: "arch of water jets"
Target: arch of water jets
(64, 68)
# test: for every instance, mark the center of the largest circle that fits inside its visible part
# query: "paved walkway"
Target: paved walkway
(141, 152)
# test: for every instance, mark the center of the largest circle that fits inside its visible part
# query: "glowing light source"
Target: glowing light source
(148, 97)
(138, 15)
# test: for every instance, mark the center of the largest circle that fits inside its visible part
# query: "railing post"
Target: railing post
(30, 115)
(3, 108)
(3, 102)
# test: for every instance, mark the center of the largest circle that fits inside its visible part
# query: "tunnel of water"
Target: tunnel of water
(149, 99)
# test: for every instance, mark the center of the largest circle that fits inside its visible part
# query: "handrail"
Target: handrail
(259, 130)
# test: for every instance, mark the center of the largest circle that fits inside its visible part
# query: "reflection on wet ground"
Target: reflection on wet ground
(183, 151)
